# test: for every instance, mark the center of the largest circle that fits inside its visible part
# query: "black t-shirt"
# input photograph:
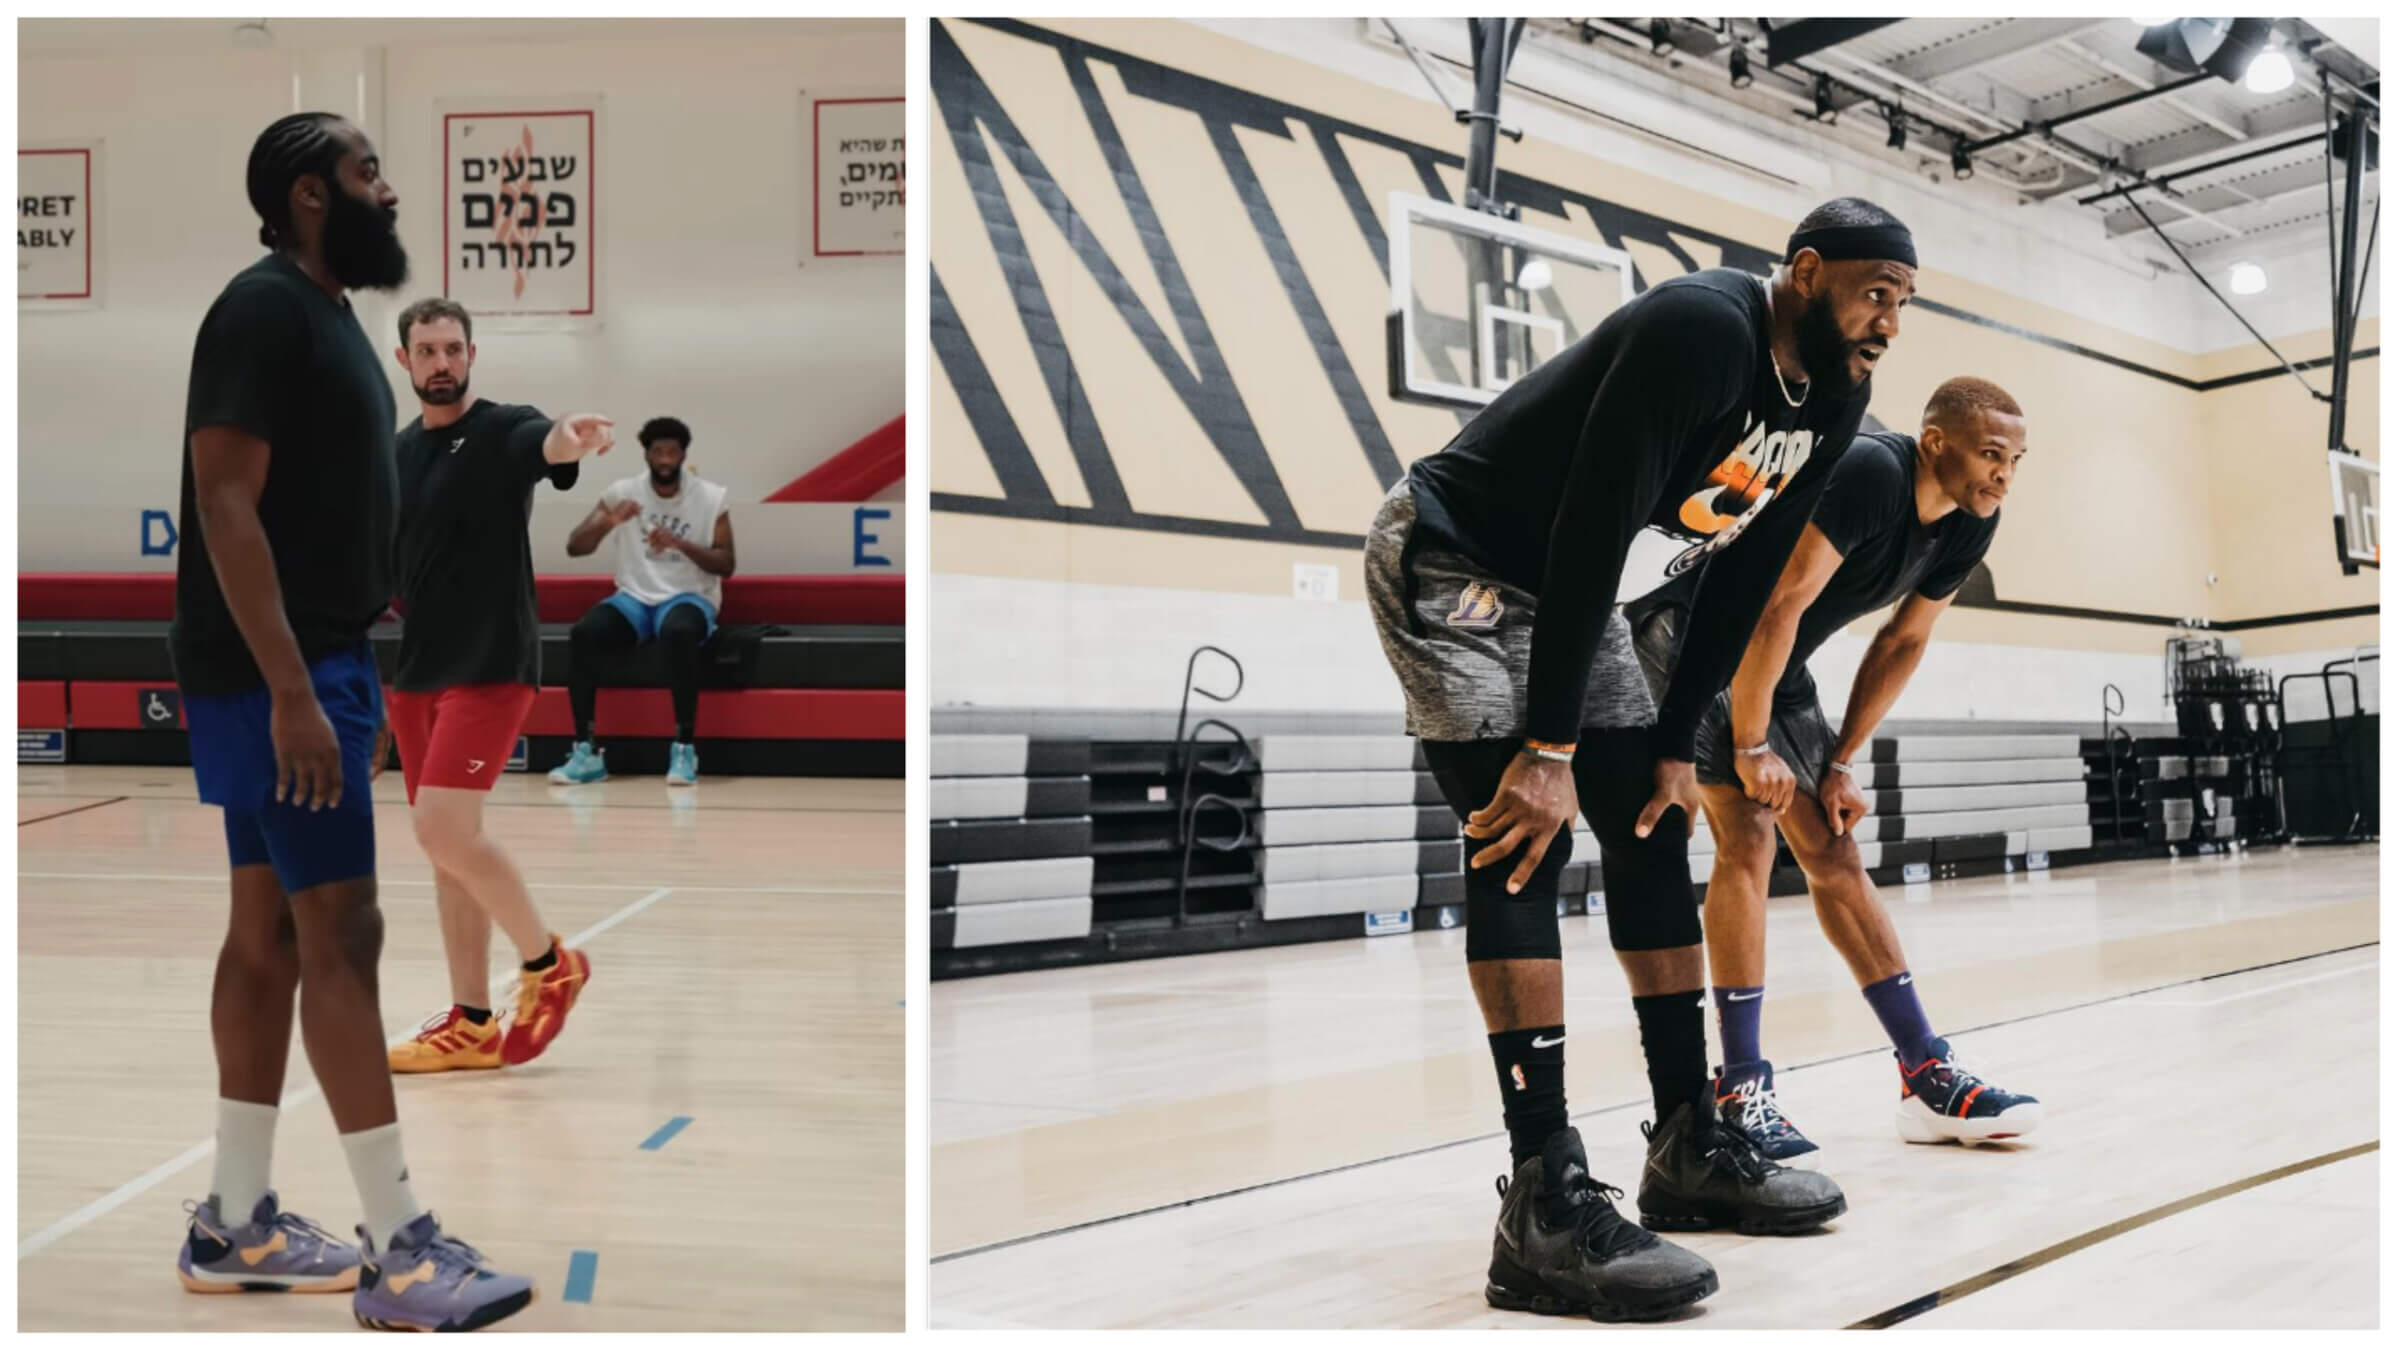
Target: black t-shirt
(1666, 426)
(466, 566)
(1869, 515)
(280, 359)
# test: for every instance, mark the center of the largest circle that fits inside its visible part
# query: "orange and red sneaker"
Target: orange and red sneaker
(543, 1000)
(449, 1041)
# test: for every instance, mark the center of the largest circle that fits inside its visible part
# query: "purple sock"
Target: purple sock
(1895, 1004)
(1737, 1024)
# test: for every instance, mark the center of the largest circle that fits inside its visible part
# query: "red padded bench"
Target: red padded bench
(746, 714)
(794, 600)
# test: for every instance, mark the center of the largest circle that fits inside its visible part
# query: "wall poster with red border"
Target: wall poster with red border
(520, 213)
(54, 225)
(860, 176)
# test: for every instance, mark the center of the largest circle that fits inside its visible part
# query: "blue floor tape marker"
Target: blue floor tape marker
(582, 1269)
(666, 1132)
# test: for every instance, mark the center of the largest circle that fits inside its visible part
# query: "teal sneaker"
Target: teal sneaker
(584, 765)
(683, 764)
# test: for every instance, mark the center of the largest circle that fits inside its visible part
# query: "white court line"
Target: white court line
(2270, 989)
(310, 1092)
(428, 881)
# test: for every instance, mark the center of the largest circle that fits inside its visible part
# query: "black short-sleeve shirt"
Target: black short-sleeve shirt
(280, 359)
(466, 565)
(1869, 515)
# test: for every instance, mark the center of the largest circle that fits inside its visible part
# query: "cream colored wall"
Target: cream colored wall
(2137, 487)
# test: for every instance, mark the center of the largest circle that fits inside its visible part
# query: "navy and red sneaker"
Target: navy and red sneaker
(1941, 1101)
(1746, 1101)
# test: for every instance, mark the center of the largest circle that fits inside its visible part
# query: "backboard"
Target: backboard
(2357, 487)
(1479, 300)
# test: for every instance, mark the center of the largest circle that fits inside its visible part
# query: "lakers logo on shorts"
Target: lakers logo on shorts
(1478, 607)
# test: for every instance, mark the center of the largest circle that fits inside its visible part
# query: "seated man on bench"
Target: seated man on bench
(668, 588)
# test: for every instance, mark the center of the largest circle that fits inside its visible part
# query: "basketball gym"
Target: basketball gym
(715, 1142)
(1203, 1051)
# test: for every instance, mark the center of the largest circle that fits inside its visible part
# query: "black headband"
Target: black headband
(1842, 243)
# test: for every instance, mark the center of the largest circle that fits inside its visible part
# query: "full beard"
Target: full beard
(442, 397)
(1824, 353)
(362, 246)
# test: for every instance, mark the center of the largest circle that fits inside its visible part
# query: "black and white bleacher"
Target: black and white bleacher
(1057, 837)
(1012, 840)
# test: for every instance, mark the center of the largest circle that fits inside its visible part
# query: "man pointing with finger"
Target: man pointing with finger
(470, 662)
(1704, 412)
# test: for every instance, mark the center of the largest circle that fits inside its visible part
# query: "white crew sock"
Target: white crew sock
(245, 1157)
(381, 1176)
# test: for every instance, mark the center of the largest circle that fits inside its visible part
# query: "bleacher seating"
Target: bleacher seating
(1323, 827)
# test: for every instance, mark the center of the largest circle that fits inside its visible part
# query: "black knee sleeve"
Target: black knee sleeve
(1648, 881)
(1500, 926)
(1520, 927)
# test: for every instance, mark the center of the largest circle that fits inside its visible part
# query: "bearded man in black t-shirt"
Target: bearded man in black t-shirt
(289, 498)
(1698, 420)
(1903, 519)
(470, 665)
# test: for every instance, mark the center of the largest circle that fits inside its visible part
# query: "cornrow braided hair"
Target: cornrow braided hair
(302, 143)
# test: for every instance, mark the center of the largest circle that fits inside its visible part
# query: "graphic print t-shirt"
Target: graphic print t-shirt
(1658, 441)
(280, 359)
(656, 576)
(466, 566)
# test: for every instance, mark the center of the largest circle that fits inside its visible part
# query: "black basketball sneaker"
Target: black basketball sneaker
(1561, 1247)
(1704, 1173)
(1942, 1102)
(1748, 1104)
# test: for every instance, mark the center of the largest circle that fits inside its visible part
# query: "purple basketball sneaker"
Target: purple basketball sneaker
(273, 1253)
(430, 1281)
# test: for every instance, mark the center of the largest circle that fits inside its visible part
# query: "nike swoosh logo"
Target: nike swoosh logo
(1540, 1044)
(1908, 979)
(1745, 998)
(474, 766)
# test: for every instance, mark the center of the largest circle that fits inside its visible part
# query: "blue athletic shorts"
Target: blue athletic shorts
(233, 759)
(644, 618)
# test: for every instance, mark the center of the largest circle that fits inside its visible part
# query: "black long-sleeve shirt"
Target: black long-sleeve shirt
(1665, 426)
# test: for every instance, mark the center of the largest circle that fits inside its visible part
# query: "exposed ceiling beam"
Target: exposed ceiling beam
(1985, 46)
(2306, 229)
(2259, 190)
(2181, 103)
(1790, 41)
(2280, 120)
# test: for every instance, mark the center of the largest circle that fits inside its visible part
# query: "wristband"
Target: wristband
(1556, 754)
(1836, 766)
(1759, 749)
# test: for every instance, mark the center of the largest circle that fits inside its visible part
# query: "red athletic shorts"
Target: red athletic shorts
(458, 737)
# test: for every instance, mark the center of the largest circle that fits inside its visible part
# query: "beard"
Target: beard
(665, 478)
(1824, 351)
(444, 397)
(362, 245)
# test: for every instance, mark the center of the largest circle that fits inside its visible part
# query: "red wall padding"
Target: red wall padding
(745, 714)
(796, 600)
(41, 705)
(111, 705)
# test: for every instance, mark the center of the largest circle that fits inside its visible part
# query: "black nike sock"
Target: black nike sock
(546, 960)
(1675, 1042)
(479, 1016)
(1532, 1064)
